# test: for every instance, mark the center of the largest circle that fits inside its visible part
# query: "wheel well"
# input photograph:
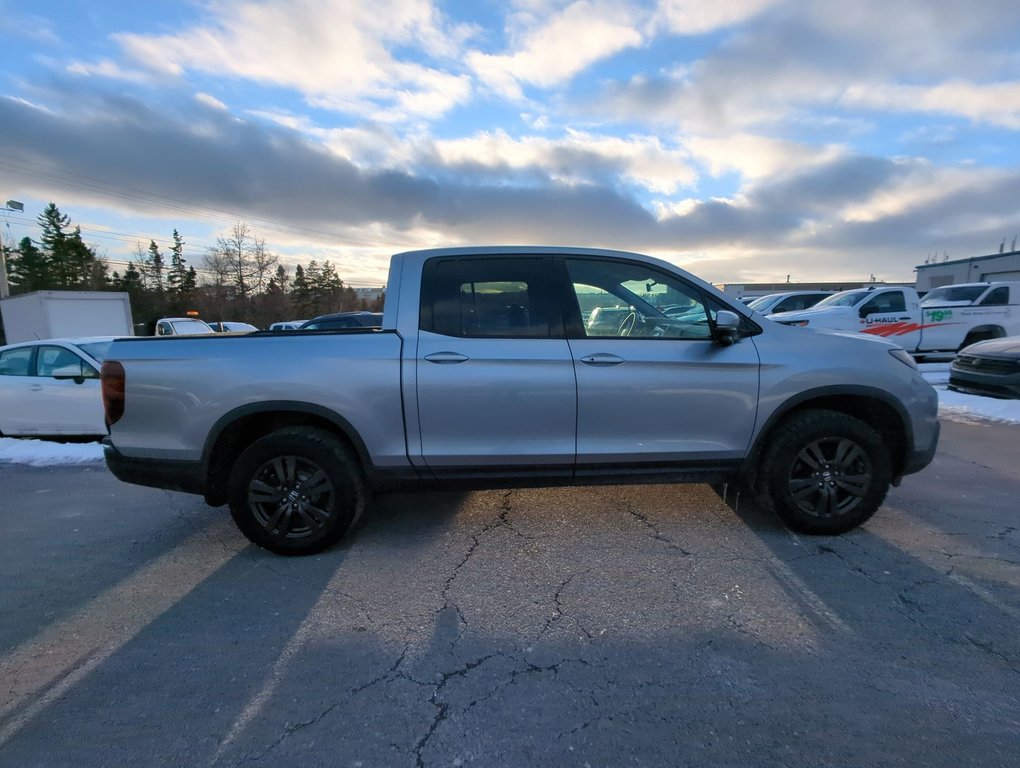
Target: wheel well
(244, 431)
(879, 415)
(983, 333)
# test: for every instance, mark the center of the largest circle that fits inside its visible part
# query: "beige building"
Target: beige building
(995, 266)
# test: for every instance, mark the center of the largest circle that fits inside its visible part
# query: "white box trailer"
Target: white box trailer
(66, 314)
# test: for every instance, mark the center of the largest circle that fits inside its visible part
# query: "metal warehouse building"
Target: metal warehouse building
(996, 266)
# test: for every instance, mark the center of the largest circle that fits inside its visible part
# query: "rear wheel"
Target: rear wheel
(975, 336)
(825, 472)
(296, 491)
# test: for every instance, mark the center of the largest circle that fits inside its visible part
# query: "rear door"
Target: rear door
(495, 380)
(16, 412)
(659, 389)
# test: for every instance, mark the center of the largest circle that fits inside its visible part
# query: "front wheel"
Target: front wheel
(296, 491)
(825, 472)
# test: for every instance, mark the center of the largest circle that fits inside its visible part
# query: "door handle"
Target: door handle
(446, 358)
(602, 359)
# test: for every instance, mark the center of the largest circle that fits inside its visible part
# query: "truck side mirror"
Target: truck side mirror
(727, 327)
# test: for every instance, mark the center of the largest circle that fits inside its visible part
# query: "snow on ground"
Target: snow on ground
(970, 409)
(43, 453)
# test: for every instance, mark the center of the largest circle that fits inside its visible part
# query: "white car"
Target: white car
(182, 326)
(229, 326)
(287, 325)
(51, 387)
(789, 301)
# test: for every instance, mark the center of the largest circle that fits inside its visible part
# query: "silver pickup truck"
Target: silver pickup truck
(501, 367)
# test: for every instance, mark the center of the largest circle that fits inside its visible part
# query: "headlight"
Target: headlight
(904, 357)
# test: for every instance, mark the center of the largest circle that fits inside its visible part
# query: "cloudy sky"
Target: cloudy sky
(742, 139)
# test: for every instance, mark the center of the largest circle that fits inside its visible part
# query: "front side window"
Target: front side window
(58, 361)
(633, 300)
(15, 362)
(497, 297)
(890, 301)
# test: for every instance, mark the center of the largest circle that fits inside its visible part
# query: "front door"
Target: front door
(653, 386)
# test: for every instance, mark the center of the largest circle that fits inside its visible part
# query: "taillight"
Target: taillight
(112, 376)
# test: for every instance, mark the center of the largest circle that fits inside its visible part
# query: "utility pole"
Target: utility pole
(5, 289)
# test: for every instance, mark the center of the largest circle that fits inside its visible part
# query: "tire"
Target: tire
(806, 467)
(975, 336)
(266, 484)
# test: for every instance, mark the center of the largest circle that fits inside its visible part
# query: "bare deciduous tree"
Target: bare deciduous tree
(241, 260)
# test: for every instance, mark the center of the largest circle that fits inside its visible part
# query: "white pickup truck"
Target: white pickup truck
(945, 320)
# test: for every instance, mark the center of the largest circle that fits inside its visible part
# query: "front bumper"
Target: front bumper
(973, 382)
(919, 458)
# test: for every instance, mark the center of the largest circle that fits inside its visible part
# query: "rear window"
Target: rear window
(954, 293)
(14, 362)
(486, 297)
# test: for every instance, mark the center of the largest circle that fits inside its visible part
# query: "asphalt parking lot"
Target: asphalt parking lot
(654, 626)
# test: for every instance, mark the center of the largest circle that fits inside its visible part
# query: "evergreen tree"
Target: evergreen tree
(301, 293)
(130, 282)
(177, 275)
(81, 262)
(71, 263)
(154, 268)
(29, 268)
(54, 241)
(329, 289)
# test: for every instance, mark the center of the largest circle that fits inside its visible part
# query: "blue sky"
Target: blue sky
(745, 140)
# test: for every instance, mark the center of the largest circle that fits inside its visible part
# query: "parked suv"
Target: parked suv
(341, 320)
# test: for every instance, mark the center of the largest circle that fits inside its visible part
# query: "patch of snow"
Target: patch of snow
(968, 409)
(44, 453)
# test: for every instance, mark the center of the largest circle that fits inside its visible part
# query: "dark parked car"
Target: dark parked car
(988, 368)
(340, 320)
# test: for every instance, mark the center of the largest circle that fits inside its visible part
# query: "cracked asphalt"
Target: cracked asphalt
(645, 626)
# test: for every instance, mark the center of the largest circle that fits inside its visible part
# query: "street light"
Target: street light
(5, 290)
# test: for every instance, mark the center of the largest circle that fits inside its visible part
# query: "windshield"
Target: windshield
(762, 302)
(844, 299)
(190, 327)
(954, 293)
(97, 350)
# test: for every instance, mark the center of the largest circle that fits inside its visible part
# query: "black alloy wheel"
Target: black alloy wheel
(824, 472)
(296, 491)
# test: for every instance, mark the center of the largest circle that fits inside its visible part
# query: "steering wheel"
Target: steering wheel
(628, 324)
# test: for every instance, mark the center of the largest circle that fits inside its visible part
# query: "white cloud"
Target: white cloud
(210, 101)
(697, 17)
(576, 158)
(758, 157)
(994, 103)
(108, 69)
(562, 45)
(921, 184)
(338, 53)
